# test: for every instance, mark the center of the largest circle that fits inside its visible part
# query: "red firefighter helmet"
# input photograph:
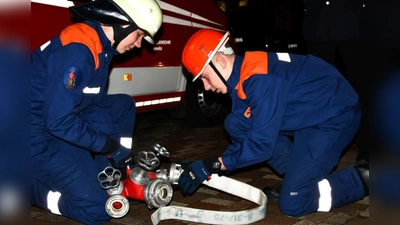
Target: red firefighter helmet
(200, 49)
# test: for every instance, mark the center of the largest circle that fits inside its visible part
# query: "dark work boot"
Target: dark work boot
(272, 192)
(363, 172)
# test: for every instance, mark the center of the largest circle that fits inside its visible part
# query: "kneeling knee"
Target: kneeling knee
(91, 212)
(292, 206)
(94, 215)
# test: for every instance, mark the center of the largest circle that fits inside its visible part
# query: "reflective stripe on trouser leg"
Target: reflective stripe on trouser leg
(52, 202)
(325, 198)
(126, 142)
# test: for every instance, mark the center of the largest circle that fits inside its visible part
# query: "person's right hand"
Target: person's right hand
(121, 158)
(193, 175)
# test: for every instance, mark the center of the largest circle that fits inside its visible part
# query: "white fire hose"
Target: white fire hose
(227, 185)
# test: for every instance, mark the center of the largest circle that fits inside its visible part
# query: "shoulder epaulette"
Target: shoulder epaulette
(253, 63)
(85, 34)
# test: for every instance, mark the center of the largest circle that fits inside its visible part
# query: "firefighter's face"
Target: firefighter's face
(131, 41)
(212, 81)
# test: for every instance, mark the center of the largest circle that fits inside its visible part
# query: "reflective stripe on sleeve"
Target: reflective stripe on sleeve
(126, 142)
(325, 198)
(52, 202)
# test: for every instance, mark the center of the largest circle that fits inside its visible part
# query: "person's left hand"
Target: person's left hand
(193, 175)
(121, 158)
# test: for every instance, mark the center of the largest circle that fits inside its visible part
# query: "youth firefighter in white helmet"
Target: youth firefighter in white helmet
(76, 128)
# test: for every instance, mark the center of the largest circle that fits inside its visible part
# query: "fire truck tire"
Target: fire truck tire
(204, 108)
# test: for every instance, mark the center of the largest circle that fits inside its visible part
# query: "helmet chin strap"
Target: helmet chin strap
(120, 33)
(218, 73)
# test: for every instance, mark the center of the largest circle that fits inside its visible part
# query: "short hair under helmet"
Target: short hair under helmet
(201, 48)
(146, 14)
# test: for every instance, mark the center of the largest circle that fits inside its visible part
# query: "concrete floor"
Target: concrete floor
(185, 143)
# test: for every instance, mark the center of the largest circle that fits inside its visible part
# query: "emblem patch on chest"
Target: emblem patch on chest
(247, 113)
(72, 77)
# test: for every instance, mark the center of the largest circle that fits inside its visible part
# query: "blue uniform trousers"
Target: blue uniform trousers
(310, 158)
(73, 171)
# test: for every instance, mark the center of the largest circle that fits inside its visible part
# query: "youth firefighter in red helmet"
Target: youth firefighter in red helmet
(296, 113)
(76, 128)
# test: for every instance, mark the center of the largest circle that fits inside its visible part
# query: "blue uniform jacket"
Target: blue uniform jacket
(276, 93)
(70, 73)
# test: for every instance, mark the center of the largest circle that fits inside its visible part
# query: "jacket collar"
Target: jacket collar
(103, 38)
(234, 77)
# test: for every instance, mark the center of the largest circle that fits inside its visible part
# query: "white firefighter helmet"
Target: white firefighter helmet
(144, 14)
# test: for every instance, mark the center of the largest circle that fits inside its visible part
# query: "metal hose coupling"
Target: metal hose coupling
(158, 193)
(175, 172)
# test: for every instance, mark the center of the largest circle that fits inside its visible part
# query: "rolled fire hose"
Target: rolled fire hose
(227, 185)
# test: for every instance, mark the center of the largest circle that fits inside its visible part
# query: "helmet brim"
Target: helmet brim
(149, 39)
